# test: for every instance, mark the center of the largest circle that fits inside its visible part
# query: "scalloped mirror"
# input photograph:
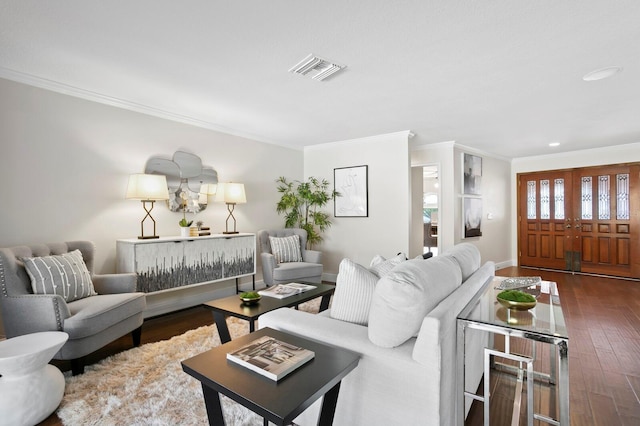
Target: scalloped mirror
(188, 180)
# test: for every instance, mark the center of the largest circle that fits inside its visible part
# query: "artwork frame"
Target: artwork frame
(353, 185)
(471, 174)
(471, 217)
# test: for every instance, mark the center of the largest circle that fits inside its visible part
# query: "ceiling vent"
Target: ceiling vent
(316, 68)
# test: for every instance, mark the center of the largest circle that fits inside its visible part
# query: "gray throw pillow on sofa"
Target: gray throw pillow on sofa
(64, 274)
(403, 298)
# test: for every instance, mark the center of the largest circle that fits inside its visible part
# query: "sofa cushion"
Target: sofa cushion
(381, 266)
(286, 249)
(293, 271)
(468, 257)
(403, 298)
(354, 290)
(64, 274)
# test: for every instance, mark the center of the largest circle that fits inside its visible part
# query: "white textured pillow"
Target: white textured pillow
(381, 266)
(65, 274)
(354, 289)
(406, 295)
(286, 249)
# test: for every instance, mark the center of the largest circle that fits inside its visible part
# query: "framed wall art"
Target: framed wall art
(352, 184)
(472, 174)
(472, 217)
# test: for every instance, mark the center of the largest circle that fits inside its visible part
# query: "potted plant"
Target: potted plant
(184, 223)
(301, 203)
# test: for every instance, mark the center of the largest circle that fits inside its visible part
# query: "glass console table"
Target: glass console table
(543, 323)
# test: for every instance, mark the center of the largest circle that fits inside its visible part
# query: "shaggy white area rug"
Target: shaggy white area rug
(146, 385)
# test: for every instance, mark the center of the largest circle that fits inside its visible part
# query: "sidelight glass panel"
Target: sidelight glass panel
(558, 192)
(587, 198)
(545, 200)
(622, 196)
(531, 199)
(604, 198)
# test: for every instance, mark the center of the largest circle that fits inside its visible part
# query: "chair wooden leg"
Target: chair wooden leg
(77, 366)
(137, 335)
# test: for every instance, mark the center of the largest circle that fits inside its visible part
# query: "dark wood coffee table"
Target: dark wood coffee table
(278, 402)
(233, 306)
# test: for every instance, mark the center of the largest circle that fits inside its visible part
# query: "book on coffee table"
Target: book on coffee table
(281, 291)
(271, 357)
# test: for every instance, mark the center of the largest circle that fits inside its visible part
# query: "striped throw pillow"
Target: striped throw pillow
(354, 291)
(65, 274)
(286, 249)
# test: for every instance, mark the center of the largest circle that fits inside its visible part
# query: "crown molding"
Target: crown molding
(67, 89)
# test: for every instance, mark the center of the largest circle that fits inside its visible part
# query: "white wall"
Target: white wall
(584, 158)
(495, 243)
(386, 230)
(65, 163)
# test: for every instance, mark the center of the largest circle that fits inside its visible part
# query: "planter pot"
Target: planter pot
(184, 231)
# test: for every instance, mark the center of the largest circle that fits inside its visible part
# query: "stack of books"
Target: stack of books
(271, 357)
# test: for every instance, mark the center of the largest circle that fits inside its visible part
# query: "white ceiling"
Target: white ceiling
(501, 76)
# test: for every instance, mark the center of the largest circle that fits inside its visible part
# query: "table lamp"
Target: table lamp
(231, 194)
(148, 189)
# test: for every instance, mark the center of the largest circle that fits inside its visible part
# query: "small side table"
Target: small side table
(30, 388)
(277, 402)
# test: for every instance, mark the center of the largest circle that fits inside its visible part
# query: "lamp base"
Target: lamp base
(230, 232)
(147, 237)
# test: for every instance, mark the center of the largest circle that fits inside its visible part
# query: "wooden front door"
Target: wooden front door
(581, 220)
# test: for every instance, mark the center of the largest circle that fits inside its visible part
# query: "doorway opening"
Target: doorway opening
(430, 208)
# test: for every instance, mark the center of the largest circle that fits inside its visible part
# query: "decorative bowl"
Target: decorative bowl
(512, 304)
(248, 301)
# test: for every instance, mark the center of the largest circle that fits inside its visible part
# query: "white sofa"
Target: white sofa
(414, 382)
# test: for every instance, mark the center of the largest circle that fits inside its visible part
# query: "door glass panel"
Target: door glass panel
(558, 191)
(587, 198)
(544, 199)
(604, 198)
(531, 199)
(622, 196)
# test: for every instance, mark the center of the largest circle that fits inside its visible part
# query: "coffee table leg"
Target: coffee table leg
(214, 409)
(329, 406)
(324, 303)
(221, 323)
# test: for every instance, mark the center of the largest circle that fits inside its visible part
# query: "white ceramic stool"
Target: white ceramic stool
(30, 388)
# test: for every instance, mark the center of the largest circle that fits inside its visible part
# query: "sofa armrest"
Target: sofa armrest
(47, 312)
(268, 265)
(312, 256)
(115, 283)
(323, 328)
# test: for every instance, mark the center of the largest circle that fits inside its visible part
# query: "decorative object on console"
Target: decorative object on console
(184, 223)
(354, 192)
(300, 202)
(148, 189)
(231, 193)
(185, 173)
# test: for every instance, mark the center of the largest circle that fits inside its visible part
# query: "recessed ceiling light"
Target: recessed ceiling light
(554, 144)
(602, 73)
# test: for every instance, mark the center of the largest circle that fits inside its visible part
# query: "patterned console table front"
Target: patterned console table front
(173, 262)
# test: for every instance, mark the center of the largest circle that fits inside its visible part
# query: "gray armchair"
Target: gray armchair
(91, 322)
(309, 270)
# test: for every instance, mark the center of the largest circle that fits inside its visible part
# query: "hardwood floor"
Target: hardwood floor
(603, 319)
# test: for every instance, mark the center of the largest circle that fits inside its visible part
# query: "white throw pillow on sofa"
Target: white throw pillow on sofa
(406, 295)
(354, 290)
(381, 266)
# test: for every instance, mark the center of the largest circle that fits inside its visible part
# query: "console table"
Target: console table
(543, 323)
(169, 263)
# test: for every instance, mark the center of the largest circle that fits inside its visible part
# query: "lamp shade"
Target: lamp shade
(231, 193)
(147, 187)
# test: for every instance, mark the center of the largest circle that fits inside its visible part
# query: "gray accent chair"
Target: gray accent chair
(91, 322)
(309, 270)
